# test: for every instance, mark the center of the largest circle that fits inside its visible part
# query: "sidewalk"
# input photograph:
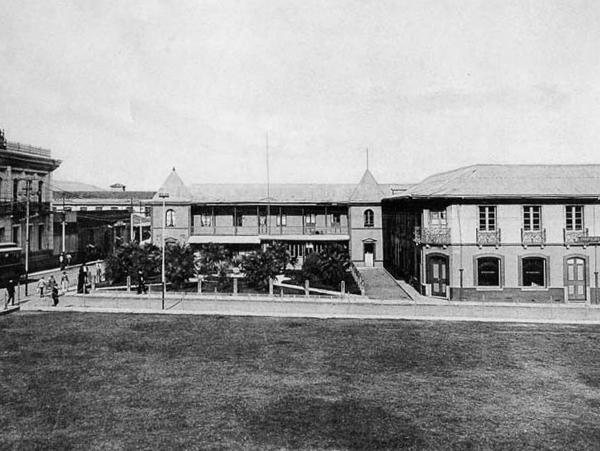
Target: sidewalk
(240, 305)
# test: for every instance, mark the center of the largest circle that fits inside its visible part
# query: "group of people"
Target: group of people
(52, 287)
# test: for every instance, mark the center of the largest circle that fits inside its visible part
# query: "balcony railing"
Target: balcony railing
(488, 237)
(272, 230)
(437, 236)
(575, 236)
(533, 237)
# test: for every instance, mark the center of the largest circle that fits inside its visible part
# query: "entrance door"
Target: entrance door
(369, 252)
(438, 275)
(576, 279)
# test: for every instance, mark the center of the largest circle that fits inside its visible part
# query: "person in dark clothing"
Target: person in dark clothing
(10, 292)
(82, 280)
(141, 283)
(55, 294)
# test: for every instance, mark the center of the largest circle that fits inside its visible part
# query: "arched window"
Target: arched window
(533, 272)
(488, 272)
(369, 218)
(170, 218)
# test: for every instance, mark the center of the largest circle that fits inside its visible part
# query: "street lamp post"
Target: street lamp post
(163, 196)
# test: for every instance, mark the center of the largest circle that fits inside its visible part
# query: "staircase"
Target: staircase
(379, 284)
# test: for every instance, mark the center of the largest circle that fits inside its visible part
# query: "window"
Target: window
(310, 219)
(487, 218)
(532, 218)
(281, 219)
(335, 219)
(170, 218)
(15, 189)
(369, 218)
(83, 209)
(488, 272)
(534, 272)
(262, 220)
(205, 220)
(437, 218)
(40, 191)
(98, 208)
(574, 216)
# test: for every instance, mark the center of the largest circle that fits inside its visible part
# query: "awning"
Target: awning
(223, 239)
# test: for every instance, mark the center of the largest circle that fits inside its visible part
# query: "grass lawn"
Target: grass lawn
(74, 381)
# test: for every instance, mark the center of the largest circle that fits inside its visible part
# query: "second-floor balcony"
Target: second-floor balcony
(488, 237)
(575, 237)
(533, 237)
(270, 230)
(436, 236)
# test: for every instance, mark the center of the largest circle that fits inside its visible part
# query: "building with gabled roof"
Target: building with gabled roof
(246, 216)
(499, 232)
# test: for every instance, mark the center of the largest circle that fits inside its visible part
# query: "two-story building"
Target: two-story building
(26, 198)
(499, 232)
(244, 217)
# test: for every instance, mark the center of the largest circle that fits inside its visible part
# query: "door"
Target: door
(438, 275)
(576, 279)
(369, 253)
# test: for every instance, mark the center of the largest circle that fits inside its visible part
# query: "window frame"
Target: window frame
(477, 275)
(529, 218)
(170, 218)
(488, 215)
(545, 267)
(369, 218)
(571, 219)
(281, 220)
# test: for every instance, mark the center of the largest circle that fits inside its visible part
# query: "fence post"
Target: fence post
(342, 288)
(128, 283)
(307, 288)
(93, 283)
(271, 286)
(199, 285)
(235, 285)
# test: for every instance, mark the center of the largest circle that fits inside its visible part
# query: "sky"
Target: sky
(123, 91)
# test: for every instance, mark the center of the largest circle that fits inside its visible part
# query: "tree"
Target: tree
(281, 255)
(212, 259)
(311, 268)
(179, 264)
(129, 258)
(259, 267)
(334, 263)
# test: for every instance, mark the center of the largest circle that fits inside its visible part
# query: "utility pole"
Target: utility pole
(163, 196)
(131, 223)
(27, 194)
(141, 236)
(64, 226)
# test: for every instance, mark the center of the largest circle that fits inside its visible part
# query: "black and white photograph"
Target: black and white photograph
(301, 225)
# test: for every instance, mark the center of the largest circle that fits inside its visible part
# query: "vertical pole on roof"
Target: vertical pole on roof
(268, 184)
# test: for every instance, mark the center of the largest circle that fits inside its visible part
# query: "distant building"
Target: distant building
(90, 221)
(305, 217)
(25, 181)
(499, 233)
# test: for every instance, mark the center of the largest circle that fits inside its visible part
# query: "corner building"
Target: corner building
(526, 233)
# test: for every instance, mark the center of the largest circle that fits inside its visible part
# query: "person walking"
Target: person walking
(64, 282)
(41, 287)
(55, 294)
(61, 260)
(82, 279)
(10, 293)
(141, 283)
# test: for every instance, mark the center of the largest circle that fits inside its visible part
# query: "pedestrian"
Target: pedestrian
(55, 294)
(141, 283)
(82, 279)
(41, 287)
(10, 293)
(98, 272)
(69, 259)
(64, 282)
(61, 260)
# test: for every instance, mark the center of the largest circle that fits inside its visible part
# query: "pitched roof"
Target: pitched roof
(175, 187)
(63, 185)
(510, 181)
(367, 190)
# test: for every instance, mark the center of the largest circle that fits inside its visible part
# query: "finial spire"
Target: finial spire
(367, 158)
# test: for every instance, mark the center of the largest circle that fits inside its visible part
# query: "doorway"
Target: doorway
(576, 279)
(437, 275)
(369, 254)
